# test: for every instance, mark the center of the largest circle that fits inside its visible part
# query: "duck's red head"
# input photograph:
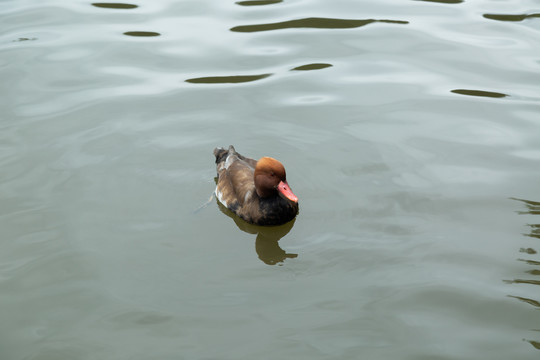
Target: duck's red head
(270, 179)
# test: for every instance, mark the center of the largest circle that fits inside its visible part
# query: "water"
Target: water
(409, 130)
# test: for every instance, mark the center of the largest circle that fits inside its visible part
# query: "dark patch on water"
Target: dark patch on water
(536, 344)
(527, 250)
(530, 262)
(523, 281)
(533, 208)
(535, 230)
(313, 23)
(316, 66)
(142, 33)
(509, 17)
(480, 93)
(444, 1)
(260, 2)
(24, 39)
(526, 300)
(227, 79)
(115, 5)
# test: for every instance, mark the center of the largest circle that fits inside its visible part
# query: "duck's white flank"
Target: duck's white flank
(219, 196)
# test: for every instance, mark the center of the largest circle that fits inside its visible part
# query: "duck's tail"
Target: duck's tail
(221, 154)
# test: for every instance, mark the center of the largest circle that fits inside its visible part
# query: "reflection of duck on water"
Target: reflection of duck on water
(266, 244)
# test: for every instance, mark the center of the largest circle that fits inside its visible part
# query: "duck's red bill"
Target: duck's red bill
(286, 191)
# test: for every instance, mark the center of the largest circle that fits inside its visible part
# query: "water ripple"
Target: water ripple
(526, 300)
(24, 39)
(444, 1)
(316, 66)
(258, 2)
(509, 17)
(115, 5)
(132, 318)
(142, 33)
(533, 208)
(535, 231)
(523, 281)
(480, 93)
(227, 79)
(313, 23)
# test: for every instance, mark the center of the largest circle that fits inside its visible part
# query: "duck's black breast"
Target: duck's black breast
(275, 210)
(270, 211)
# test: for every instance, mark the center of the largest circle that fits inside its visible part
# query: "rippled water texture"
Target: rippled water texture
(409, 131)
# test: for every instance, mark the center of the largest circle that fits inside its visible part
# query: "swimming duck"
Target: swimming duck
(256, 191)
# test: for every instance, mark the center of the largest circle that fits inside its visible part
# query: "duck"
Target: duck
(255, 190)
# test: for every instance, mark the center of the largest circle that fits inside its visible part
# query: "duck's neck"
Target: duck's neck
(266, 193)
